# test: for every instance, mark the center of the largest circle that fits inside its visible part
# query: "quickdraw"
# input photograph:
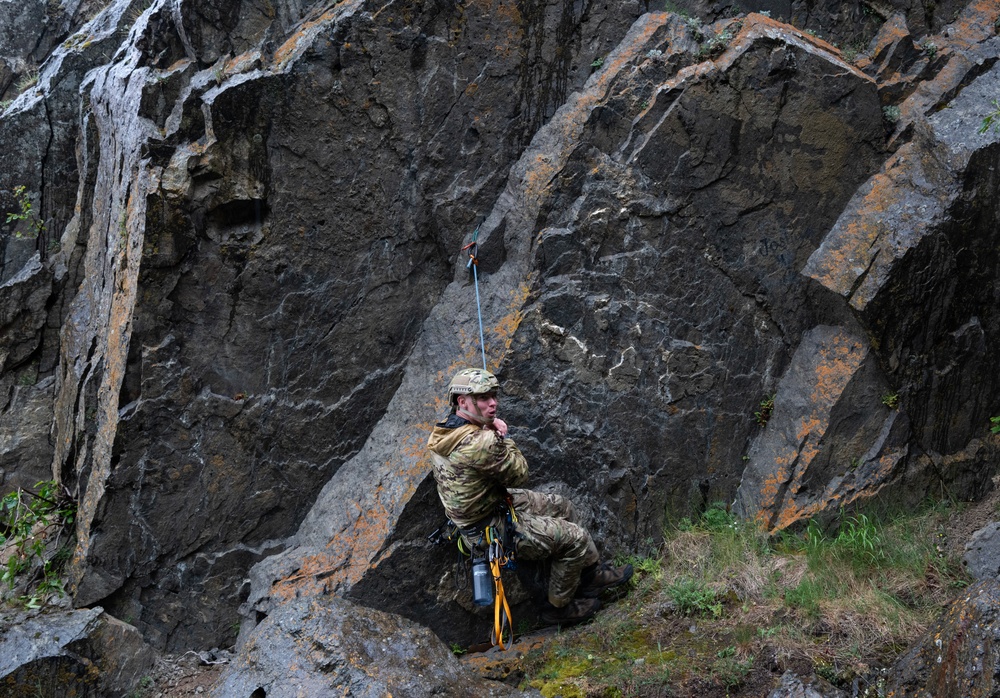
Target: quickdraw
(473, 264)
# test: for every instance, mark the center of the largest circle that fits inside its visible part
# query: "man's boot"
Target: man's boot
(597, 578)
(576, 611)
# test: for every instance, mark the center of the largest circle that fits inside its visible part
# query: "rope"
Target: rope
(473, 263)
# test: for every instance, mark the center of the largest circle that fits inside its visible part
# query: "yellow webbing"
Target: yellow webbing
(501, 621)
(504, 619)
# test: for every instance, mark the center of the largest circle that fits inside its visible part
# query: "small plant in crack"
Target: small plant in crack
(35, 532)
(26, 81)
(26, 215)
(991, 120)
(763, 415)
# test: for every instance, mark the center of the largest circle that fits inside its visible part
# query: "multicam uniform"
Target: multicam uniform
(475, 467)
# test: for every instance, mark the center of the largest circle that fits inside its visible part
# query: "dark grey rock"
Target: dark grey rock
(603, 308)
(84, 653)
(793, 686)
(935, 333)
(23, 23)
(248, 296)
(982, 553)
(249, 191)
(329, 646)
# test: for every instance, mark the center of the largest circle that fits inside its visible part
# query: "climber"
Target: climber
(477, 466)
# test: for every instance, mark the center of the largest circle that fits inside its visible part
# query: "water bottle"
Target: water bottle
(482, 582)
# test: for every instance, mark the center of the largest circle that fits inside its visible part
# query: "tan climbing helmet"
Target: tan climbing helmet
(472, 381)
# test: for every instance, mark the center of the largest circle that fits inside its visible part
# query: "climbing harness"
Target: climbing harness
(490, 547)
(473, 264)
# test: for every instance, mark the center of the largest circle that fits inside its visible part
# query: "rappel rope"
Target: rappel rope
(503, 622)
(473, 263)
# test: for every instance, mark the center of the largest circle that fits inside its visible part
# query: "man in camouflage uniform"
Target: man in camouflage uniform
(478, 468)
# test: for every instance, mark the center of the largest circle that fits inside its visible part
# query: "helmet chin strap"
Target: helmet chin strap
(477, 417)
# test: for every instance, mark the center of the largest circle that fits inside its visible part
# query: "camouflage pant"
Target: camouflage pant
(547, 528)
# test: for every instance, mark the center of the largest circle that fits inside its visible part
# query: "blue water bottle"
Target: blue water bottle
(482, 582)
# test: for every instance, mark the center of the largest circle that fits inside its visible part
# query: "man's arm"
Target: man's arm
(498, 457)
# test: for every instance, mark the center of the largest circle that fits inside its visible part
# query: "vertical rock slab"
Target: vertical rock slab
(829, 442)
(96, 334)
(912, 253)
(264, 240)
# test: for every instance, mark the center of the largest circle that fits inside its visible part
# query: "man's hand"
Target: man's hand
(500, 427)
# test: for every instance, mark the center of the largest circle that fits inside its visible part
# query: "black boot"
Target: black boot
(576, 611)
(597, 578)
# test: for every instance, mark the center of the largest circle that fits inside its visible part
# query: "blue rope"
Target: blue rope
(474, 263)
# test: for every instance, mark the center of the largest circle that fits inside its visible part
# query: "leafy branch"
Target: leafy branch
(35, 532)
(27, 214)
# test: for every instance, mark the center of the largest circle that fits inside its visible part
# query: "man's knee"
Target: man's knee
(544, 504)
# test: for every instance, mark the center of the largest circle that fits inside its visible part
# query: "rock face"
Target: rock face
(236, 324)
(792, 686)
(72, 653)
(329, 646)
(982, 553)
(958, 656)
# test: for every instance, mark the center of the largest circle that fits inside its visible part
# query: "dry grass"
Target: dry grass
(723, 610)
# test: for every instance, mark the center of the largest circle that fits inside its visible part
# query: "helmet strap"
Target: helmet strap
(476, 417)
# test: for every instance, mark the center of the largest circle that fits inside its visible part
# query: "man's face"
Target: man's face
(485, 404)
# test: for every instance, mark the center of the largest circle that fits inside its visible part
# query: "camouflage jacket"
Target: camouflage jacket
(473, 468)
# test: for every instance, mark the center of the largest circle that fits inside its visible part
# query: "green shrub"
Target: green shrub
(34, 536)
(763, 415)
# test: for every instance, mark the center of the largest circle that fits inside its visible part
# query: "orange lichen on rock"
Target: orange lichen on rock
(502, 333)
(756, 26)
(829, 370)
(303, 38)
(122, 234)
(541, 167)
(851, 247)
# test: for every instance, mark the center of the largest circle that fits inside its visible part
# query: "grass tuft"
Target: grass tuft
(720, 596)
